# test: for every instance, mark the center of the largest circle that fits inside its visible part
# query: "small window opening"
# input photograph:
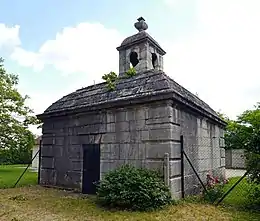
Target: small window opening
(154, 60)
(134, 59)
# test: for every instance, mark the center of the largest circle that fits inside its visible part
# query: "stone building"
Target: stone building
(35, 154)
(93, 130)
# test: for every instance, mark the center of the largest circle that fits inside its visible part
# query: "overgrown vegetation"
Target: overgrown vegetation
(131, 72)
(111, 78)
(215, 188)
(15, 118)
(244, 133)
(253, 196)
(134, 189)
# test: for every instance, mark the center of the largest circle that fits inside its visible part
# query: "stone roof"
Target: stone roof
(137, 38)
(147, 86)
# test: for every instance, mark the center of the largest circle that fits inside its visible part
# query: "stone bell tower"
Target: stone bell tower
(140, 51)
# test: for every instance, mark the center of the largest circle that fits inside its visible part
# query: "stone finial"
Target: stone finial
(141, 24)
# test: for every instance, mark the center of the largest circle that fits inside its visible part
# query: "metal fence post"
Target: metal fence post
(39, 161)
(166, 171)
(182, 168)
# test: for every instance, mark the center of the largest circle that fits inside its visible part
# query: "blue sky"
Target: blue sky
(58, 46)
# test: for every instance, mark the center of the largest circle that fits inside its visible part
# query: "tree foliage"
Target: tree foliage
(244, 133)
(15, 116)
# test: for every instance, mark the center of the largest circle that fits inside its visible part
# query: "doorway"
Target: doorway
(91, 168)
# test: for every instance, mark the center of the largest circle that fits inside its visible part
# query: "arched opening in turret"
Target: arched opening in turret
(154, 60)
(134, 58)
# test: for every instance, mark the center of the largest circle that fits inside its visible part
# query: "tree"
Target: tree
(15, 116)
(244, 133)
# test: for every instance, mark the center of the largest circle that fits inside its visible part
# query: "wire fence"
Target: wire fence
(204, 172)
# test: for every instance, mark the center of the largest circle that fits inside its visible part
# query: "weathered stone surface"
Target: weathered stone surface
(161, 120)
(175, 184)
(129, 151)
(222, 162)
(74, 152)
(48, 140)
(76, 165)
(111, 128)
(160, 112)
(175, 168)
(137, 125)
(171, 133)
(154, 165)
(47, 151)
(48, 177)
(108, 138)
(110, 117)
(122, 126)
(47, 162)
(235, 159)
(222, 152)
(157, 150)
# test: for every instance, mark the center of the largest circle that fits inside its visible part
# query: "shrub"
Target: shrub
(134, 189)
(215, 188)
(253, 164)
(254, 195)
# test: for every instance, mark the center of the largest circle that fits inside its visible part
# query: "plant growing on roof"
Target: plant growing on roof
(130, 73)
(110, 79)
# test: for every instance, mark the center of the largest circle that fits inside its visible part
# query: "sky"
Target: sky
(212, 46)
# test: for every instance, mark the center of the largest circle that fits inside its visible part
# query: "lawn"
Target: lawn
(38, 203)
(238, 196)
(10, 173)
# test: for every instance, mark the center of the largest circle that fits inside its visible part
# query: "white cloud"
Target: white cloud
(9, 37)
(220, 60)
(88, 48)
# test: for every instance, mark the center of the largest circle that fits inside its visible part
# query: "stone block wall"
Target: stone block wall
(235, 159)
(139, 135)
(203, 144)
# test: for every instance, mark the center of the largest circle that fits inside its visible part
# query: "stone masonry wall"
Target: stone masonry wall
(139, 135)
(203, 145)
(235, 159)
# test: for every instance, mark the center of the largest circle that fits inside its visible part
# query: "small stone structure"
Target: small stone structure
(235, 159)
(35, 162)
(93, 130)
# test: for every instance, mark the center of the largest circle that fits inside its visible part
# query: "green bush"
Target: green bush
(215, 188)
(134, 189)
(253, 164)
(254, 195)
(214, 193)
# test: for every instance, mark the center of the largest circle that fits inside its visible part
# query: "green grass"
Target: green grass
(10, 173)
(238, 196)
(38, 203)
